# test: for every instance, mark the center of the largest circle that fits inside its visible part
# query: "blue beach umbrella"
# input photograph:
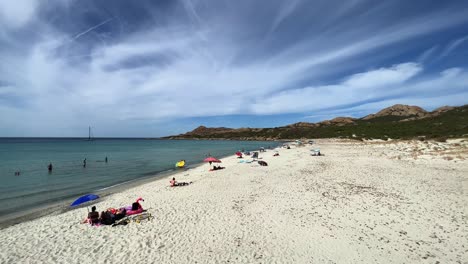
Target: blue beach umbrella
(84, 199)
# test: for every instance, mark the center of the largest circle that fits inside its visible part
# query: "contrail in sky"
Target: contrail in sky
(91, 29)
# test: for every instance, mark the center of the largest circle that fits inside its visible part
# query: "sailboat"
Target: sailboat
(90, 137)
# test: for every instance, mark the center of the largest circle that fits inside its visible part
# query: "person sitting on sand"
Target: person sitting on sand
(174, 183)
(93, 217)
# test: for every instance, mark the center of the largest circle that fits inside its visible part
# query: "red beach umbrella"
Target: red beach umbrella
(212, 159)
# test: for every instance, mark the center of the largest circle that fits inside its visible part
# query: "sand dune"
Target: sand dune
(370, 202)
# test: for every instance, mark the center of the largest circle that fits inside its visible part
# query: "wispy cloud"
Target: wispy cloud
(454, 45)
(91, 29)
(284, 12)
(200, 59)
(427, 54)
(394, 83)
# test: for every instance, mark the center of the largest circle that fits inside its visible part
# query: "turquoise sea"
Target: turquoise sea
(129, 160)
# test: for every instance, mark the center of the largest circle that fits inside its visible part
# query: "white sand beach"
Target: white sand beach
(363, 202)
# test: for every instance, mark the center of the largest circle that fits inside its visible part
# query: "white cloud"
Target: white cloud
(160, 73)
(384, 76)
(394, 82)
(17, 13)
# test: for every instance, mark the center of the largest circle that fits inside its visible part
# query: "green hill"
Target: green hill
(397, 122)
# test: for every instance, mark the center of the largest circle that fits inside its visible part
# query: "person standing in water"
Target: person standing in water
(84, 163)
(49, 167)
(105, 160)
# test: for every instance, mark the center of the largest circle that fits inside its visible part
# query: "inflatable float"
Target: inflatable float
(180, 164)
(133, 212)
(130, 209)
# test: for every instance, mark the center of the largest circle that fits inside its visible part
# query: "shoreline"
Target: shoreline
(60, 207)
(366, 202)
(56, 208)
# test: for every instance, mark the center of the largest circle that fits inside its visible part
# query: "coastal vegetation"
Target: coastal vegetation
(396, 122)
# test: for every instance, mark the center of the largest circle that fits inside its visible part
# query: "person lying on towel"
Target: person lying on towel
(174, 183)
(217, 168)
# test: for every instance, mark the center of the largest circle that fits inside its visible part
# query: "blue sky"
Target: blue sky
(155, 68)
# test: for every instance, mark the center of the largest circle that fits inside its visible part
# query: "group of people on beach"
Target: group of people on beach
(107, 217)
(50, 167)
(112, 215)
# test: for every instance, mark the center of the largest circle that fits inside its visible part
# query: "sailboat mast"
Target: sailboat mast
(89, 133)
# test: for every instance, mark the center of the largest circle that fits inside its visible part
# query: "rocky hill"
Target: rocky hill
(399, 110)
(397, 121)
(338, 121)
(203, 130)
